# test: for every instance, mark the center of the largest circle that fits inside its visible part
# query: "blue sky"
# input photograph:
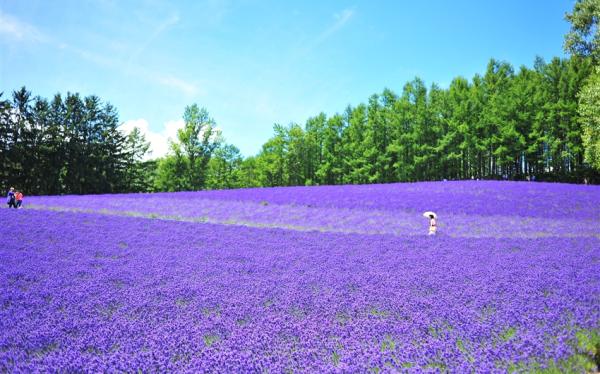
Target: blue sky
(256, 63)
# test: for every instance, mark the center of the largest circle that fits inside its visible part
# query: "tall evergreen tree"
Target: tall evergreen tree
(136, 173)
(589, 110)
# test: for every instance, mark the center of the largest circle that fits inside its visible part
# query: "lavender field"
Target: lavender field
(305, 279)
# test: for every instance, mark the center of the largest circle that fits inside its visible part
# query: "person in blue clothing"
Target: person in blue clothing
(11, 199)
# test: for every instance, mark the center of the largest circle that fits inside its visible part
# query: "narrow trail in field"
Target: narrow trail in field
(356, 221)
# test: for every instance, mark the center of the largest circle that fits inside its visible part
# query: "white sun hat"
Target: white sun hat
(429, 214)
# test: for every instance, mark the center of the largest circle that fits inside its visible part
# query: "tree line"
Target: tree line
(69, 144)
(502, 124)
(73, 145)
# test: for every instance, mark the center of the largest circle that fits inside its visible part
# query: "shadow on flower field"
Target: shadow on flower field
(91, 287)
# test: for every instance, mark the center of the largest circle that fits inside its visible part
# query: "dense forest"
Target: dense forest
(539, 122)
(67, 145)
(503, 124)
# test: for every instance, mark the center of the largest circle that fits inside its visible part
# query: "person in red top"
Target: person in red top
(19, 198)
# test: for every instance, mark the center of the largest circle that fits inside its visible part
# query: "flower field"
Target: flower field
(305, 279)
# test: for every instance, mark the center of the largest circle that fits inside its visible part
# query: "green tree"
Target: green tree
(54, 158)
(75, 147)
(314, 138)
(584, 40)
(297, 156)
(6, 123)
(110, 146)
(589, 110)
(248, 172)
(136, 174)
(584, 37)
(171, 173)
(354, 144)
(402, 145)
(443, 157)
(224, 168)
(186, 167)
(270, 162)
(197, 141)
(456, 144)
(70, 146)
(19, 155)
(422, 153)
(330, 169)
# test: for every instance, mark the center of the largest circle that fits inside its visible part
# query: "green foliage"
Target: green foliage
(502, 124)
(187, 166)
(388, 344)
(585, 359)
(138, 172)
(335, 358)
(210, 340)
(68, 145)
(588, 343)
(508, 334)
(589, 110)
(171, 174)
(584, 37)
(225, 168)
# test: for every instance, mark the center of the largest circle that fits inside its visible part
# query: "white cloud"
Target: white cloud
(177, 83)
(172, 126)
(159, 141)
(18, 30)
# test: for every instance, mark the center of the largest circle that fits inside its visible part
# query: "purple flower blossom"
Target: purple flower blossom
(95, 289)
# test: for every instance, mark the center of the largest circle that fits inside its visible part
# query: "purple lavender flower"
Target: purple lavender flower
(98, 289)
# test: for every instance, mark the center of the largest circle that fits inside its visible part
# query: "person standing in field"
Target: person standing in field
(19, 198)
(432, 224)
(10, 198)
(432, 221)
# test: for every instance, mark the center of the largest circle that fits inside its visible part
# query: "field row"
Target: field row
(480, 198)
(324, 219)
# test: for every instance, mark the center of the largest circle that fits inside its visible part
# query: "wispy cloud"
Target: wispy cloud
(17, 30)
(340, 20)
(92, 57)
(150, 75)
(158, 30)
(168, 81)
(177, 83)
